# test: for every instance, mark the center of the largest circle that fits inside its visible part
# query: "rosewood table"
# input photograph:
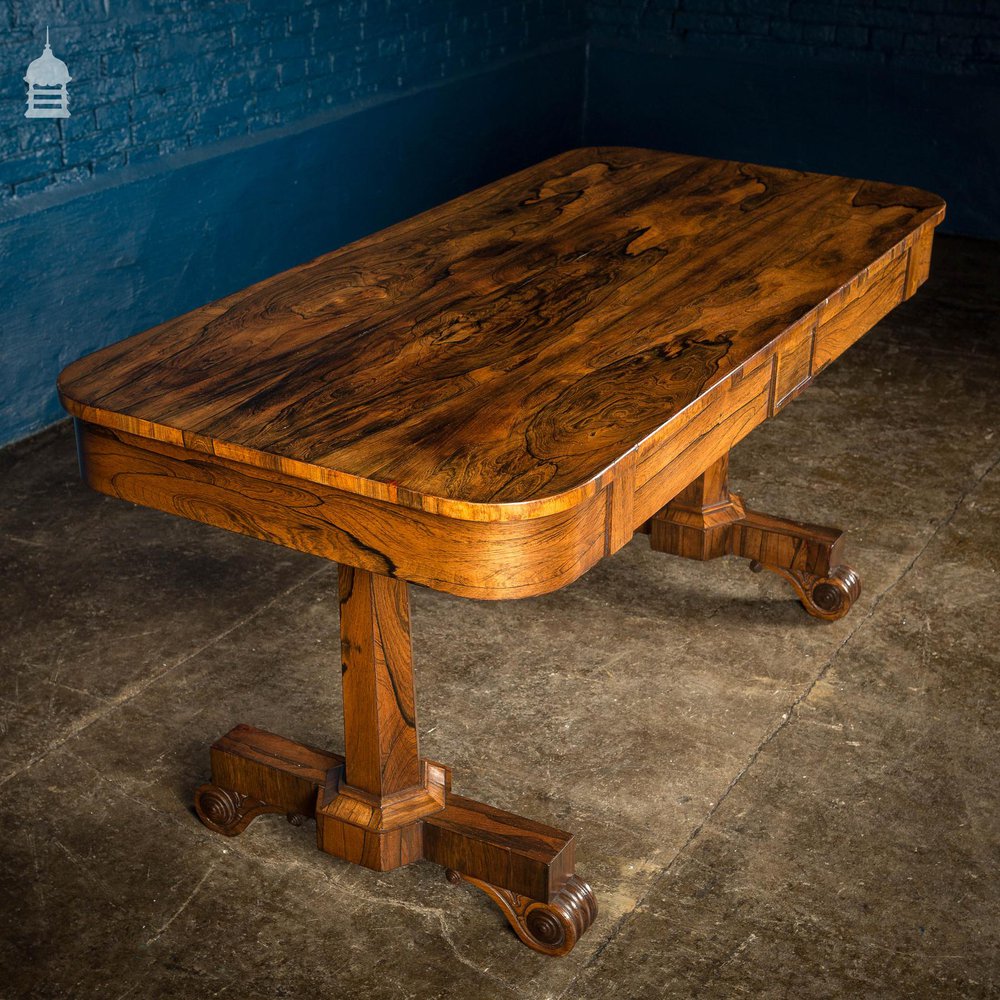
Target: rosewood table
(487, 399)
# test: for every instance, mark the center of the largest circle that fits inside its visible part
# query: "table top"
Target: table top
(512, 346)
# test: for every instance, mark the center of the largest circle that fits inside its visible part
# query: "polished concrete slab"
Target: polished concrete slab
(766, 805)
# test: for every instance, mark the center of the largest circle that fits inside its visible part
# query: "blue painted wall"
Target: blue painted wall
(906, 91)
(215, 142)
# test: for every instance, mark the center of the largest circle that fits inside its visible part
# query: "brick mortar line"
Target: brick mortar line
(780, 727)
(672, 43)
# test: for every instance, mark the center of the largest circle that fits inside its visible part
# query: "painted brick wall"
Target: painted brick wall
(155, 77)
(958, 37)
(906, 91)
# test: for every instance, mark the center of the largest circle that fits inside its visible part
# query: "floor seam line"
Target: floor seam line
(136, 689)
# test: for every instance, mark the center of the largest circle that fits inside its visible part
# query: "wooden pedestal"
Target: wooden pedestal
(383, 805)
(706, 521)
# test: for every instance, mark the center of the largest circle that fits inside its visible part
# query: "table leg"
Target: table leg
(706, 520)
(382, 805)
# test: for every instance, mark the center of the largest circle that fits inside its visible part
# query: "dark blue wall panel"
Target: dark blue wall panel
(929, 130)
(898, 90)
(101, 266)
(948, 37)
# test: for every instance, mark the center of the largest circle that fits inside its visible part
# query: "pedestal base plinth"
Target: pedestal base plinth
(524, 866)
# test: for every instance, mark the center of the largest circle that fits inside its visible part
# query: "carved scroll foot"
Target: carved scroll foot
(706, 521)
(828, 597)
(227, 812)
(551, 928)
(525, 866)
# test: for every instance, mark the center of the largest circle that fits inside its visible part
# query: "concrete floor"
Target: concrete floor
(765, 805)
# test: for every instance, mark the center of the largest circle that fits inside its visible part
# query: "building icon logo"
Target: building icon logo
(46, 79)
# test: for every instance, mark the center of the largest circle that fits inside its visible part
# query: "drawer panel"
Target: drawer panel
(874, 299)
(794, 368)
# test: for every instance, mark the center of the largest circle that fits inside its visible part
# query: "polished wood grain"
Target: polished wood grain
(487, 399)
(256, 772)
(380, 714)
(372, 815)
(469, 558)
(504, 356)
(551, 928)
(507, 550)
